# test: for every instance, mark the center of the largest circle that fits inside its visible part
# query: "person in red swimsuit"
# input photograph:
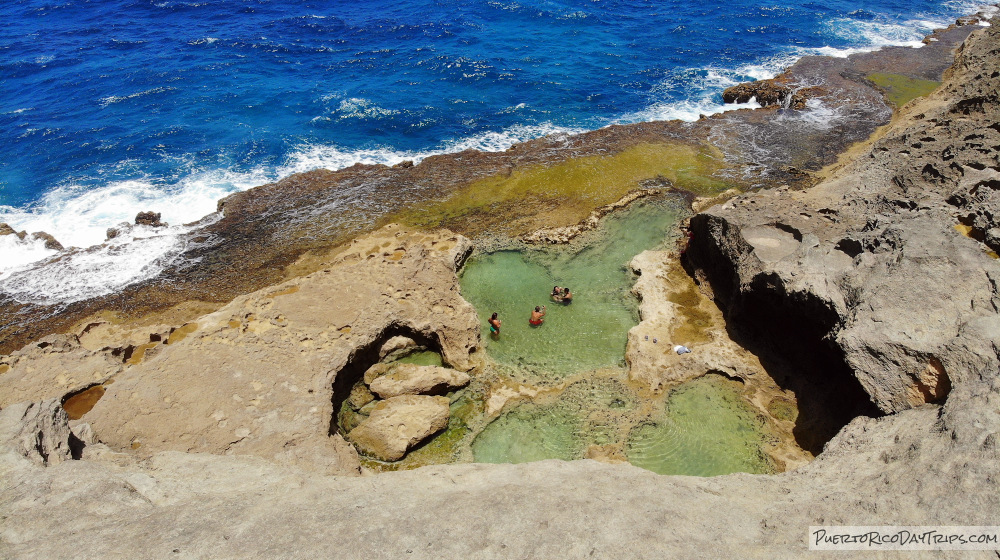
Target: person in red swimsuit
(537, 316)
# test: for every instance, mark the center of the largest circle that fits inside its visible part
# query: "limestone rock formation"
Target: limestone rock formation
(120, 229)
(38, 431)
(50, 242)
(863, 279)
(409, 379)
(871, 268)
(48, 239)
(257, 376)
(396, 344)
(53, 367)
(397, 424)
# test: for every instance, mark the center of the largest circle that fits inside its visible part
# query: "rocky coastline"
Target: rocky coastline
(865, 288)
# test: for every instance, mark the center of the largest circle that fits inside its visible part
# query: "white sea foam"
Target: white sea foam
(86, 273)
(112, 99)
(360, 108)
(328, 156)
(79, 217)
(20, 252)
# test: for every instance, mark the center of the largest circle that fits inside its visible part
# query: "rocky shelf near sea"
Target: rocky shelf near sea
(868, 287)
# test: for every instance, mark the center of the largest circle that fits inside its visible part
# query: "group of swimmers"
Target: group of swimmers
(560, 294)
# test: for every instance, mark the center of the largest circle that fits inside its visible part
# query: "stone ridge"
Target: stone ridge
(256, 377)
(891, 252)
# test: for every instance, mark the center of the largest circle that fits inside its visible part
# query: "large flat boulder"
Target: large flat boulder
(397, 424)
(410, 379)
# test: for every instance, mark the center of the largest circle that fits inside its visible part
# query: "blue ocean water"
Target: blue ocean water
(110, 107)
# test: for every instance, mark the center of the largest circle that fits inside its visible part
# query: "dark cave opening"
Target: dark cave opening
(365, 357)
(790, 332)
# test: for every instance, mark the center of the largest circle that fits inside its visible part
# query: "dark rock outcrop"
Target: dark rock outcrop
(151, 219)
(767, 93)
(120, 229)
(50, 242)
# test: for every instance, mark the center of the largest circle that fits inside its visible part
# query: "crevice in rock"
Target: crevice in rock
(365, 357)
(789, 229)
(76, 447)
(850, 247)
(790, 332)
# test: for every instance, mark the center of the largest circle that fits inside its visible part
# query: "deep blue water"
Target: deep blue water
(109, 107)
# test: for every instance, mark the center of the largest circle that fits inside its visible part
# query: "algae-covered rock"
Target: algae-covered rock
(398, 424)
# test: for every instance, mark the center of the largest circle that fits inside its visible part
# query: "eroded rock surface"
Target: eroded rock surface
(869, 265)
(37, 431)
(257, 376)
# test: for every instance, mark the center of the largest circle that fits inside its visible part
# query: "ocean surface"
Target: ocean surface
(111, 107)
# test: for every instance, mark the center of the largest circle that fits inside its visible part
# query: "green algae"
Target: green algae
(422, 358)
(591, 331)
(901, 89)
(567, 192)
(705, 429)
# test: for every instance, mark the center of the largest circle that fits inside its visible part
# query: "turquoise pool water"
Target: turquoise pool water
(591, 331)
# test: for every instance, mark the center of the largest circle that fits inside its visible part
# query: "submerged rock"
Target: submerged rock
(409, 379)
(398, 424)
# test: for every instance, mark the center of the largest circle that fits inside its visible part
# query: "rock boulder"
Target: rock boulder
(39, 431)
(398, 424)
(766, 92)
(409, 379)
(151, 219)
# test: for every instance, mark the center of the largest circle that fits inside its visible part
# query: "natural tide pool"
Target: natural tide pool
(591, 331)
(581, 402)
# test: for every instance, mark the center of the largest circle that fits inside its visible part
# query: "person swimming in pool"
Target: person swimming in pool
(537, 316)
(556, 293)
(494, 325)
(567, 296)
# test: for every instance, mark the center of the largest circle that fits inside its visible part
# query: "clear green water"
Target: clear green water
(591, 331)
(706, 429)
(703, 427)
(590, 412)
